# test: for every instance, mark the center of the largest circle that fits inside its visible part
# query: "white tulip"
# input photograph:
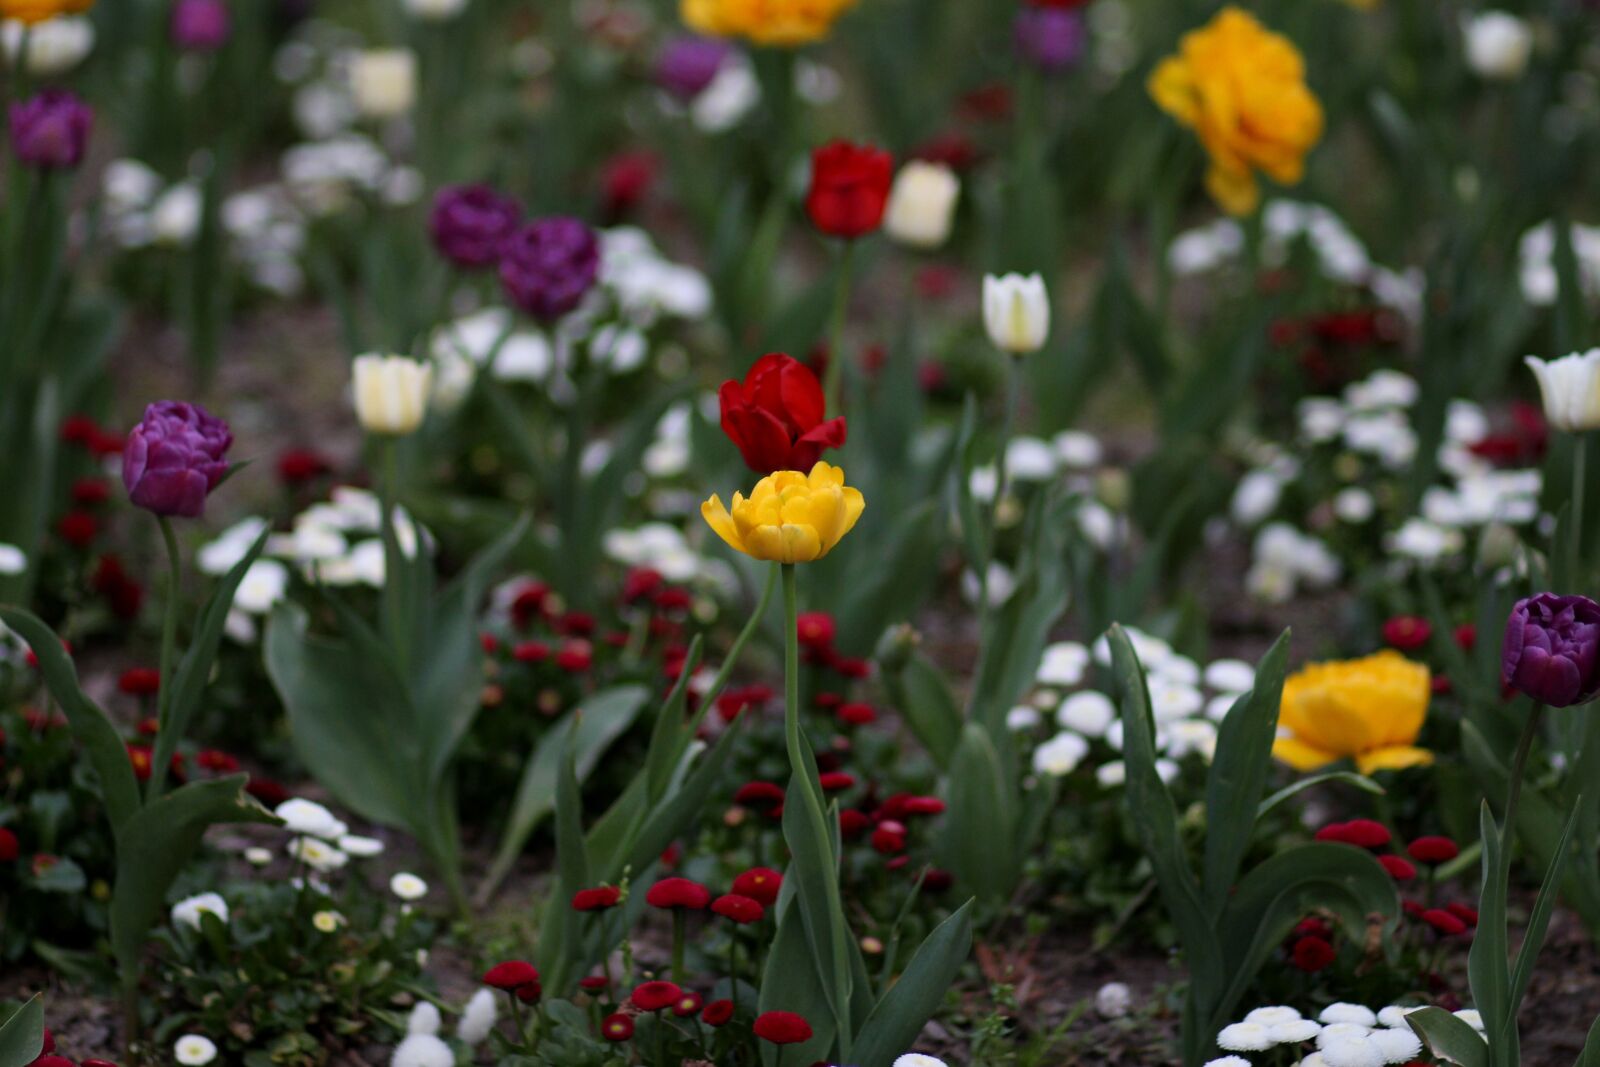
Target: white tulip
(1498, 45)
(922, 204)
(1570, 387)
(383, 82)
(55, 46)
(1016, 311)
(391, 393)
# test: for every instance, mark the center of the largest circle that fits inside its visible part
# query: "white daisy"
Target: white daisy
(1349, 1013)
(408, 886)
(192, 1050)
(1244, 1037)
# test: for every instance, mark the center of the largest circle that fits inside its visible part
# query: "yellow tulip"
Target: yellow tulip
(789, 517)
(1369, 710)
(1242, 89)
(775, 23)
(31, 11)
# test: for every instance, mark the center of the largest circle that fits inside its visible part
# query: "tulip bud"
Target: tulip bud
(922, 204)
(1570, 387)
(896, 647)
(391, 393)
(1498, 545)
(1114, 489)
(384, 82)
(1016, 311)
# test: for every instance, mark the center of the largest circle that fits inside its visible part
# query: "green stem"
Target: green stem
(1575, 542)
(1530, 730)
(169, 640)
(394, 570)
(1001, 486)
(841, 312)
(733, 968)
(677, 945)
(731, 660)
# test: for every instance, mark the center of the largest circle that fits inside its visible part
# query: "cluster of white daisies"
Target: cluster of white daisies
(1186, 700)
(1344, 1035)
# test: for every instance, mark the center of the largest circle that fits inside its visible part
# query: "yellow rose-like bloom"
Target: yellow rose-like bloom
(789, 517)
(1242, 89)
(777, 23)
(31, 11)
(1369, 710)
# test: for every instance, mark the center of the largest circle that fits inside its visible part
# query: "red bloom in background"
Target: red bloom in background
(815, 628)
(77, 528)
(9, 848)
(511, 975)
(595, 983)
(1407, 633)
(140, 681)
(717, 1013)
(656, 996)
(760, 884)
(678, 893)
(856, 713)
(833, 781)
(759, 794)
(741, 909)
(90, 491)
(625, 179)
(1444, 922)
(849, 188)
(300, 465)
(1464, 913)
(1433, 850)
(782, 1028)
(687, 1005)
(617, 1027)
(775, 417)
(1362, 833)
(1399, 869)
(141, 759)
(216, 761)
(1312, 954)
(596, 899)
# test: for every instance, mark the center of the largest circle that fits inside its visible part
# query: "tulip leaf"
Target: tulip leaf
(1590, 1056)
(22, 1035)
(967, 511)
(89, 723)
(666, 740)
(156, 844)
(905, 1009)
(1539, 918)
(1239, 774)
(194, 668)
(924, 698)
(1300, 785)
(592, 728)
(792, 982)
(1448, 1038)
(1488, 971)
(982, 842)
(815, 869)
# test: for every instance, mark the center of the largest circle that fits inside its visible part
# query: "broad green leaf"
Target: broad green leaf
(814, 868)
(194, 667)
(1590, 1056)
(594, 725)
(89, 723)
(22, 1035)
(1239, 774)
(981, 845)
(1539, 920)
(905, 1009)
(156, 844)
(791, 981)
(924, 698)
(1451, 1039)
(1488, 969)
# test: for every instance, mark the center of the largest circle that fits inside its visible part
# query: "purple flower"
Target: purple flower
(470, 224)
(548, 265)
(1552, 649)
(174, 458)
(50, 131)
(686, 65)
(1050, 39)
(200, 25)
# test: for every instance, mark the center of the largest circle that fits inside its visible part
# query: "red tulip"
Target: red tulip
(775, 416)
(849, 188)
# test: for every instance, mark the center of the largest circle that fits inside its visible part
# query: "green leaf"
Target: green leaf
(1239, 774)
(22, 1035)
(791, 982)
(981, 846)
(924, 698)
(194, 668)
(814, 868)
(156, 844)
(1451, 1039)
(89, 723)
(597, 723)
(1590, 1056)
(1488, 970)
(905, 1009)
(1539, 919)
(1360, 781)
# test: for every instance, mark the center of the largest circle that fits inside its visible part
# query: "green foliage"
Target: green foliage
(22, 1035)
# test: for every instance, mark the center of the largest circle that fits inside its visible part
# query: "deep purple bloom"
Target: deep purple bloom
(174, 458)
(687, 65)
(1552, 649)
(470, 224)
(201, 25)
(548, 265)
(1048, 38)
(51, 130)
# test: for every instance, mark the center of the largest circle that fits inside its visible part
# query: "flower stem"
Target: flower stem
(1530, 730)
(169, 641)
(1575, 541)
(834, 376)
(1001, 486)
(677, 945)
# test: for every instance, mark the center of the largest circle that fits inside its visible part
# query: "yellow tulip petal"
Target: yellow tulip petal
(1301, 756)
(721, 522)
(1394, 758)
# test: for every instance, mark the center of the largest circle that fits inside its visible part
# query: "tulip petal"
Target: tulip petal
(1301, 756)
(1393, 758)
(717, 517)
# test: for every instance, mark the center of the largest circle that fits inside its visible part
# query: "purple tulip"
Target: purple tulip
(470, 224)
(51, 130)
(200, 25)
(174, 458)
(548, 265)
(1050, 39)
(687, 65)
(1552, 649)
